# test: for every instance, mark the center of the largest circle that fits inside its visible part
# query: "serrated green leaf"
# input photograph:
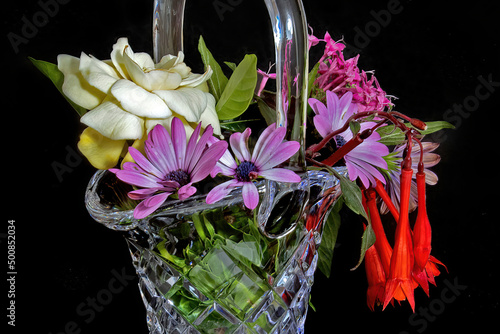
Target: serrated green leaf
(218, 81)
(239, 90)
(329, 239)
(52, 72)
(367, 240)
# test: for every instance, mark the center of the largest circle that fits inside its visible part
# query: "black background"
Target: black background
(430, 55)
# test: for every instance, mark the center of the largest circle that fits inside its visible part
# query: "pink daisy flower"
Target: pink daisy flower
(171, 165)
(269, 151)
(362, 162)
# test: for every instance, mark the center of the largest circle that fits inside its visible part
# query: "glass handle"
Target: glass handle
(289, 26)
(168, 22)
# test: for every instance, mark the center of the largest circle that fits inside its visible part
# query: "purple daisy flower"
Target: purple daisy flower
(269, 151)
(171, 165)
(362, 162)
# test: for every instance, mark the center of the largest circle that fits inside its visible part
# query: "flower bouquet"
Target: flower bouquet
(226, 229)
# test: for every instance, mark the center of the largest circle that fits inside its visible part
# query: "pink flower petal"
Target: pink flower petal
(142, 193)
(144, 163)
(282, 153)
(186, 191)
(207, 161)
(220, 191)
(250, 195)
(281, 175)
(269, 146)
(159, 140)
(238, 142)
(262, 139)
(191, 149)
(149, 205)
(179, 141)
(137, 179)
(199, 148)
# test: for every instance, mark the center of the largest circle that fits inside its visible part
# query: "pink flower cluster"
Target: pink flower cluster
(341, 76)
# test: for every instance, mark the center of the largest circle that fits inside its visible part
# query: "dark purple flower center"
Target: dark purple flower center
(179, 176)
(246, 171)
(340, 141)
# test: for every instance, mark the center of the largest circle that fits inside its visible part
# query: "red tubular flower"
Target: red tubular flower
(422, 229)
(382, 245)
(375, 276)
(387, 200)
(400, 275)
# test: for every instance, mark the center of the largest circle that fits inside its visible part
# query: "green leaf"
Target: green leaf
(218, 80)
(311, 304)
(236, 126)
(329, 238)
(367, 240)
(231, 65)
(239, 89)
(266, 111)
(199, 226)
(391, 136)
(355, 127)
(313, 75)
(351, 193)
(436, 126)
(57, 77)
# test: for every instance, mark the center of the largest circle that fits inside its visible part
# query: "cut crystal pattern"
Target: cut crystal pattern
(229, 288)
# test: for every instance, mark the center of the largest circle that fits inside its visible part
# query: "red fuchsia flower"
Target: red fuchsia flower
(171, 165)
(375, 276)
(393, 180)
(269, 151)
(399, 281)
(362, 161)
(382, 245)
(422, 228)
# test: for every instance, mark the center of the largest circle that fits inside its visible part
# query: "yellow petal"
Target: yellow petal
(102, 152)
(75, 87)
(139, 145)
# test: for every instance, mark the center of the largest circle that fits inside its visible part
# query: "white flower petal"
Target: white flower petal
(97, 73)
(139, 101)
(194, 80)
(167, 124)
(117, 56)
(113, 122)
(151, 79)
(187, 102)
(209, 116)
(75, 87)
(144, 60)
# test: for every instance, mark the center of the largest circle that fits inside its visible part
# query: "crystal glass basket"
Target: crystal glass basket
(222, 268)
(241, 281)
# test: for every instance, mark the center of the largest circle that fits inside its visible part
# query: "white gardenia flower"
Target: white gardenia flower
(129, 93)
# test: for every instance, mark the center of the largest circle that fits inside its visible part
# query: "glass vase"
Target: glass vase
(211, 268)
